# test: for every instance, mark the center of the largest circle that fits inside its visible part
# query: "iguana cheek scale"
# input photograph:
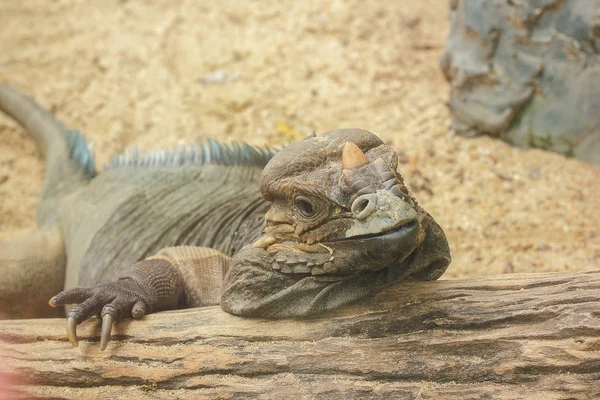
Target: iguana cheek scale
(321, 223)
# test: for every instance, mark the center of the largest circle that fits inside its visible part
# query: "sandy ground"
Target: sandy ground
(134, 73)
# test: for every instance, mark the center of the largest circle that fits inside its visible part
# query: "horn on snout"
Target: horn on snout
(353, 157)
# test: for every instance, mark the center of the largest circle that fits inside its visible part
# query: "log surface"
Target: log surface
(506, 337)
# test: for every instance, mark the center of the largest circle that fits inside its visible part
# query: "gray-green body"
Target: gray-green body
(129, 213)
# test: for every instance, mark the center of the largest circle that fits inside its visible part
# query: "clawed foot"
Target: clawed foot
(112, 301)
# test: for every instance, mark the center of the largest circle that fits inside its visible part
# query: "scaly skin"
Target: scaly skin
(337, 224)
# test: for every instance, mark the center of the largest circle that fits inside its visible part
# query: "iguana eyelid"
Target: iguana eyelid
(305, 205)
(321, 208)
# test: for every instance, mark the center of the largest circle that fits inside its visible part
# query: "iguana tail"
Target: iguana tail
(69, 163)
(33, 267)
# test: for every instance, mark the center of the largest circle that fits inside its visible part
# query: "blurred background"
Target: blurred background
(163, 73)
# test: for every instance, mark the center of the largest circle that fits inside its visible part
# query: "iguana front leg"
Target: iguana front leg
(176, 277)
(180, 277)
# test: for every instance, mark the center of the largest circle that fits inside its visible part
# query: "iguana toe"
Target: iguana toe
(120, 306)
(139, 310)
(71, 296)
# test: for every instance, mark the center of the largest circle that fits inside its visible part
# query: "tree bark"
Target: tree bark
(521, 336)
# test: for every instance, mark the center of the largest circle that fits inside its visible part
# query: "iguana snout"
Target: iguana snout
(338, 206)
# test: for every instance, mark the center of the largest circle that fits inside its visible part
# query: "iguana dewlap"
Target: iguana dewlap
(325, 222)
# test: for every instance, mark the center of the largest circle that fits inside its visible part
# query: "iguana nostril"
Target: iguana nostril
(364, 205)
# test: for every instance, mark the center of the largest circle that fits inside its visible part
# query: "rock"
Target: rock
(527, 72)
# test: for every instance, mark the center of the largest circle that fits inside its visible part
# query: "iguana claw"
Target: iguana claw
(72, 331)
(107, 322)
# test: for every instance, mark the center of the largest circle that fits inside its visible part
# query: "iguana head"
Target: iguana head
(338, 206)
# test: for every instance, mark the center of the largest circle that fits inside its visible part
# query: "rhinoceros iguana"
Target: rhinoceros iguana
(321, 223)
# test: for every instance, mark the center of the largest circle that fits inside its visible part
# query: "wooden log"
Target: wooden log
(521, 336)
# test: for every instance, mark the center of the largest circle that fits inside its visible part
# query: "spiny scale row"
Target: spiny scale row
(81, 152)
(206, 151)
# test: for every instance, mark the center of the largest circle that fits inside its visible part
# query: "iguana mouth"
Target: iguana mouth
(404, 228)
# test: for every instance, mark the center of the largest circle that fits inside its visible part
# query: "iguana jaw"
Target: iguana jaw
(350, 255)
(375, 251)
(404, 229)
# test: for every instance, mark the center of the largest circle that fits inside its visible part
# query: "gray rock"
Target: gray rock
(528, 72)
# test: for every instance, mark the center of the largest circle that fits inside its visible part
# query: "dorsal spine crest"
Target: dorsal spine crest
(205, 151)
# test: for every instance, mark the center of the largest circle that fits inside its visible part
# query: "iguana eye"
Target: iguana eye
(305, 206)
